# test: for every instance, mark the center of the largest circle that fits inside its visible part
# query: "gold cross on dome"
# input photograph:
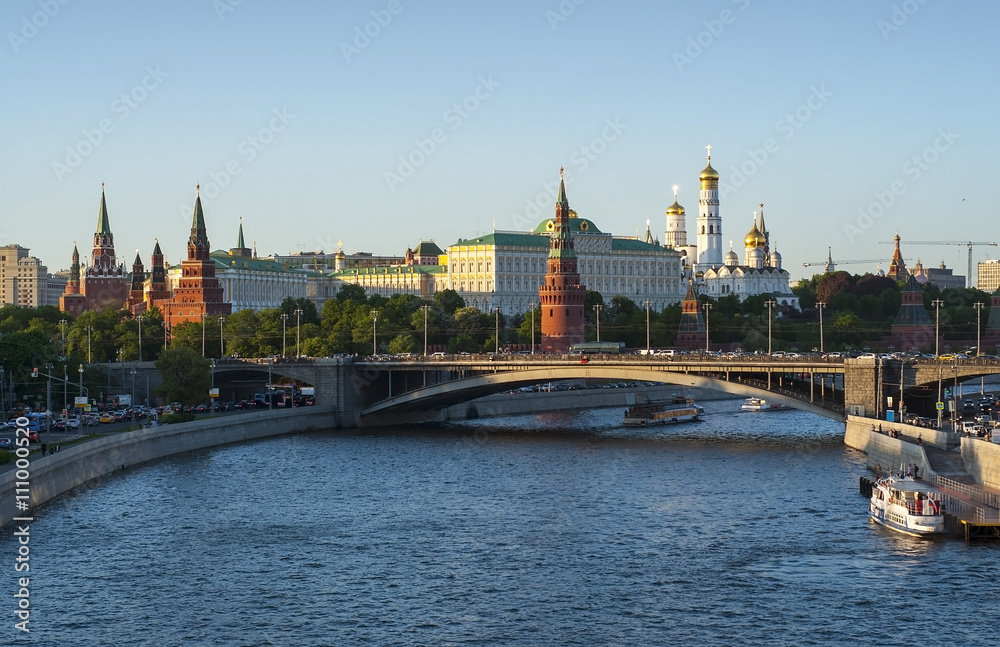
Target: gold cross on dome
(709, 149)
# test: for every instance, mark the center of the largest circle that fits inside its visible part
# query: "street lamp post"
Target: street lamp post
(298, 330)
(647, 303)
(979, 313)
(426, 308)
(139, 319)
(496, 333)
(284, 320)
(89, 329)
(48, 395)
(203, 315)
(937, 303)
(532, 305)
(62, 326)
(597, 309)
(268, 390)
(3, 402)
(707, 307)
(374, 332)
(132, 372)
(222, 339)
(80, 370)
(770, 305)
(66, 389)
(820, 304)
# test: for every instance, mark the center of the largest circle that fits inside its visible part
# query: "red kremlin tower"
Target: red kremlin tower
(561, 296)
(198, 292)
(104, 283)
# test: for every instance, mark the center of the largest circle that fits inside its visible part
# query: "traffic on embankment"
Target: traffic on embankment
(33, 479)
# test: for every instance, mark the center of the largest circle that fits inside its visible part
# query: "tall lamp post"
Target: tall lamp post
(66, 389)
(270, 394)
(3, 401)
(770, 305)
(62, 326)
(937, 303)
(707, 306)
(496, 333)
(374, 332)
(132, 372)
(298, 330)
(139, 319)
(979, 313)
(647, 303)
(820, 304)
(597, 309)
(222, 339)
(426, 308)
(89, 330)
(80, 370)
(203, 315)
(532, 305)
(284, 320)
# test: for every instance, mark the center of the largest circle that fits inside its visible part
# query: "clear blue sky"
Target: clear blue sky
(549, 81)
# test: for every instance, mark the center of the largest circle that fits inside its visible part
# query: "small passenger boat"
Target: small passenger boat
(680, 409)
(907, 506)
(759, 404)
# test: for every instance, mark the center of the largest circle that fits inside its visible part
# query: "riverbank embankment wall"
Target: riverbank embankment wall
(54, 474)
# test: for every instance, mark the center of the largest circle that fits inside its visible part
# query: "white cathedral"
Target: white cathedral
(714, 274)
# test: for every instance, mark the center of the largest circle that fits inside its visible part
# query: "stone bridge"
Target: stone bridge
(384, 390)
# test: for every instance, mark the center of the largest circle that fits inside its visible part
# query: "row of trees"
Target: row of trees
(856, 311)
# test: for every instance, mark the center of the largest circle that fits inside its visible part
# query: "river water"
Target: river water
(555, 529)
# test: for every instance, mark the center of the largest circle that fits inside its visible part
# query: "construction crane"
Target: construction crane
(875, 261)
(960, 243)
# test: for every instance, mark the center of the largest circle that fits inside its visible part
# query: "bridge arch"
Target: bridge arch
(445, 394)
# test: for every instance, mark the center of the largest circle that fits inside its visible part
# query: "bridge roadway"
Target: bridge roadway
(364, 390)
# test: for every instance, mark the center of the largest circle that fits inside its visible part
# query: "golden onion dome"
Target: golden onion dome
(755, 238)
(709, 173)
(675, 209)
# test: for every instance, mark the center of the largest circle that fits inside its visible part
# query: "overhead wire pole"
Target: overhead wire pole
(647, 303)
(597, 309)
(820, 304)
(707, 306)
(937, 303)
(770, 303)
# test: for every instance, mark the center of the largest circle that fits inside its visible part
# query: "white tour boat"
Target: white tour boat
(759, 404)
(906, 506)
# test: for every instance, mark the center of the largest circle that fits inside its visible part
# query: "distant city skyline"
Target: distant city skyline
(383, 123)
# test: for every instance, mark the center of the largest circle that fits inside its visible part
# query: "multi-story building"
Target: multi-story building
(941, 277)
(988, 276)
(24, 281)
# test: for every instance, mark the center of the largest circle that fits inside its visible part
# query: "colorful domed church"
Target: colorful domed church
(718, 275)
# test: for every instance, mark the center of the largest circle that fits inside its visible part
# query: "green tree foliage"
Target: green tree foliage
(185, 374)
(308, 308)
(350, 293)
(449, 301)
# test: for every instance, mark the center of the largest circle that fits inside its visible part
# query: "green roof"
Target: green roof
(103, 224)
(426, 248)
(633, 244)
(508, 238)
(575, 225)
(223, 260)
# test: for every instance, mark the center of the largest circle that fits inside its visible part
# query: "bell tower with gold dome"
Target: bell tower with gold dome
(709, 224)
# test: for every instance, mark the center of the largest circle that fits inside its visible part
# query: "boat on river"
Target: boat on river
(680, 409)
(908, 506)
(760, 404)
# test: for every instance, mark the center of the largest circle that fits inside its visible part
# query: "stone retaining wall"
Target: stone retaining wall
(52, 475)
